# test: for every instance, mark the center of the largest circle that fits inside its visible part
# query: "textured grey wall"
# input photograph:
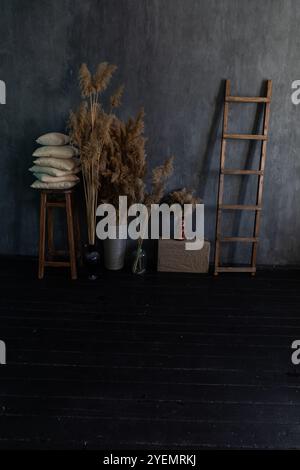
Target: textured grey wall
(173, 56)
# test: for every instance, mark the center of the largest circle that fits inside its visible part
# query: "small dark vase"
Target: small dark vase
(92, 262)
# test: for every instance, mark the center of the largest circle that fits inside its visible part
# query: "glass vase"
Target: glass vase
(139, 261)
(92, 262)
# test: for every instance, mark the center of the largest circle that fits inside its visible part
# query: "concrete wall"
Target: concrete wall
(173, 57)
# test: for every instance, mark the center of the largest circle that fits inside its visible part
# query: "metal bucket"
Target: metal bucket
(114, 253)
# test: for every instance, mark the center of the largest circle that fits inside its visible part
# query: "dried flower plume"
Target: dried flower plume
(112, 151)
(183, 196)
(116, 99)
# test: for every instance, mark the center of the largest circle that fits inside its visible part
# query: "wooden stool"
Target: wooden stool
(64, 199)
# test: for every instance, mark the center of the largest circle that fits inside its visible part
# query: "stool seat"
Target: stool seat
(64, 199)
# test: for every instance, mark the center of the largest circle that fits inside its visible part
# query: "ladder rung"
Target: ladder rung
(247, 99)
(239, 207)
(240, 239)
(245, 136)
(241, 172)
(235, 270)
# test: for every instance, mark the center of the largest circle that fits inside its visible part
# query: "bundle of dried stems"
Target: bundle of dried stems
(90, 133)
(112, 151)
(183, 196)
(159, 178)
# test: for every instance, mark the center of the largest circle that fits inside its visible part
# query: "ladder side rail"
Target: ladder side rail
(257, 221)
(221, 180)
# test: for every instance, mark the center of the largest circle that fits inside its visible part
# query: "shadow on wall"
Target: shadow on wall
(205, 172)
(205, 168)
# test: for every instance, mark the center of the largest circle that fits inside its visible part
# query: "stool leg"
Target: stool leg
(71, 235)
(50, 233)
(78, 236)
(42, 235)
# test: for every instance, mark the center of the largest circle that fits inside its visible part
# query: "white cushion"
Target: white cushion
(59, 163)
(53, 138)
(55, 179)
(54, 171)
(65, 151)
(59, 185)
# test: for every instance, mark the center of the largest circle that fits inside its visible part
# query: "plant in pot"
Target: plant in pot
(90, 133)
(113, 156)
(111, 152)
(159, 177)
(122, 173)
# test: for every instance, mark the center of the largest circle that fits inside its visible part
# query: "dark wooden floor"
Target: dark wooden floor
(164, 361)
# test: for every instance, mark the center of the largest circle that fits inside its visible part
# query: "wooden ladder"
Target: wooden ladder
(224, 172)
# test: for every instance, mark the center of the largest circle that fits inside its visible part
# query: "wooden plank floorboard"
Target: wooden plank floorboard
(147, 338)
(184, 393)
(162, 361)
(195, 411)
(263, 361)
(231, 323)
(104, 432)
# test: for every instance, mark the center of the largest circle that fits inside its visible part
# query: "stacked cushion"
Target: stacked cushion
(53, 138)
(56, 163)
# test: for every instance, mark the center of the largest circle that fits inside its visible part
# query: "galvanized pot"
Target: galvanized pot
(114, 253)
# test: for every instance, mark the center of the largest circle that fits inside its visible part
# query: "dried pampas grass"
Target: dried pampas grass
(183, 196)
(103, 76)
(90, 130)
(112, 151)
(115, 100)
(159, 176)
